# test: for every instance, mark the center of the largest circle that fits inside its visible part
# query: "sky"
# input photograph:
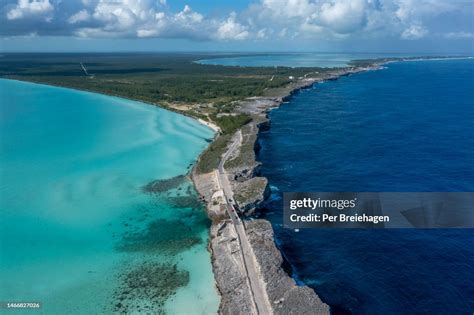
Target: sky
(392, 26)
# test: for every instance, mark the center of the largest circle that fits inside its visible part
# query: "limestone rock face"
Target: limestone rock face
(250, 191)
(228, 272)
(285, 296)
(244, 173)
(250, 194)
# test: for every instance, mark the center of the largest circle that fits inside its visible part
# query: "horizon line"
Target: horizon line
(234, 52)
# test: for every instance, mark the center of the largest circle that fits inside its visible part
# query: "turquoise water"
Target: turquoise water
(324, 60)
(77, 231)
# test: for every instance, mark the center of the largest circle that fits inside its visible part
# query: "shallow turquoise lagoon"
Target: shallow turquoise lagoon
(77, 231)
(324, 60)
(309, 59)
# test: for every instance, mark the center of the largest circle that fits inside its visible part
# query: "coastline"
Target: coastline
(240, 175)
(221, 234)
(376, 66)
(242, 172)
(210, 125)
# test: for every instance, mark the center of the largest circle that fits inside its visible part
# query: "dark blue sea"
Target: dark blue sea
(409, 127)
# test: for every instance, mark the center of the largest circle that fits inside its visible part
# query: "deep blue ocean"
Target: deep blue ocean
(409, 127)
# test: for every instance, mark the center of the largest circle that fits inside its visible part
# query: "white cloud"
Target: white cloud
(459, 35)
(188, 16)
(147, 33)
(116, 15)
(320, 18)
(154, 28)
(418, 9)
(308, 19)
(287, 8)
(262, 33)
(336, 19)
(344, 16)
(27, 8)
(230, 29)
(146, 18)
(80, 16)
(24, 36)
(414, 32)
(118, 18)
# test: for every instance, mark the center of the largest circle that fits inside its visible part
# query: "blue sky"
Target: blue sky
(439, 26)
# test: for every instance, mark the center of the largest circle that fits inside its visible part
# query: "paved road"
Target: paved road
(224, 181)
(257, 285)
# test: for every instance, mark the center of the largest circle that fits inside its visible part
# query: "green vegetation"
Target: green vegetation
(173, 81)
(251, 190)
(153, 78)
(209, 159)
(371, 62)
(230, 123)
(246, 155)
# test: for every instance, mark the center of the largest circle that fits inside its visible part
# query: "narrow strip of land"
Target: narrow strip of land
(255, 279)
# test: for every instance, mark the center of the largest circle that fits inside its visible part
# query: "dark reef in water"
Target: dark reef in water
(184, 202)
(147, 287)
(163, 185)
(161, 236)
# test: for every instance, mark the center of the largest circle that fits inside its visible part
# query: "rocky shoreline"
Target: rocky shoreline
(286, 296)
(250, 191)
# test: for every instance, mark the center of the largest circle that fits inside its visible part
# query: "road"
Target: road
(257, 286)
(224, 181)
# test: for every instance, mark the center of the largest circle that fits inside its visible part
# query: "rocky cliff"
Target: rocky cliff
(286, 297)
